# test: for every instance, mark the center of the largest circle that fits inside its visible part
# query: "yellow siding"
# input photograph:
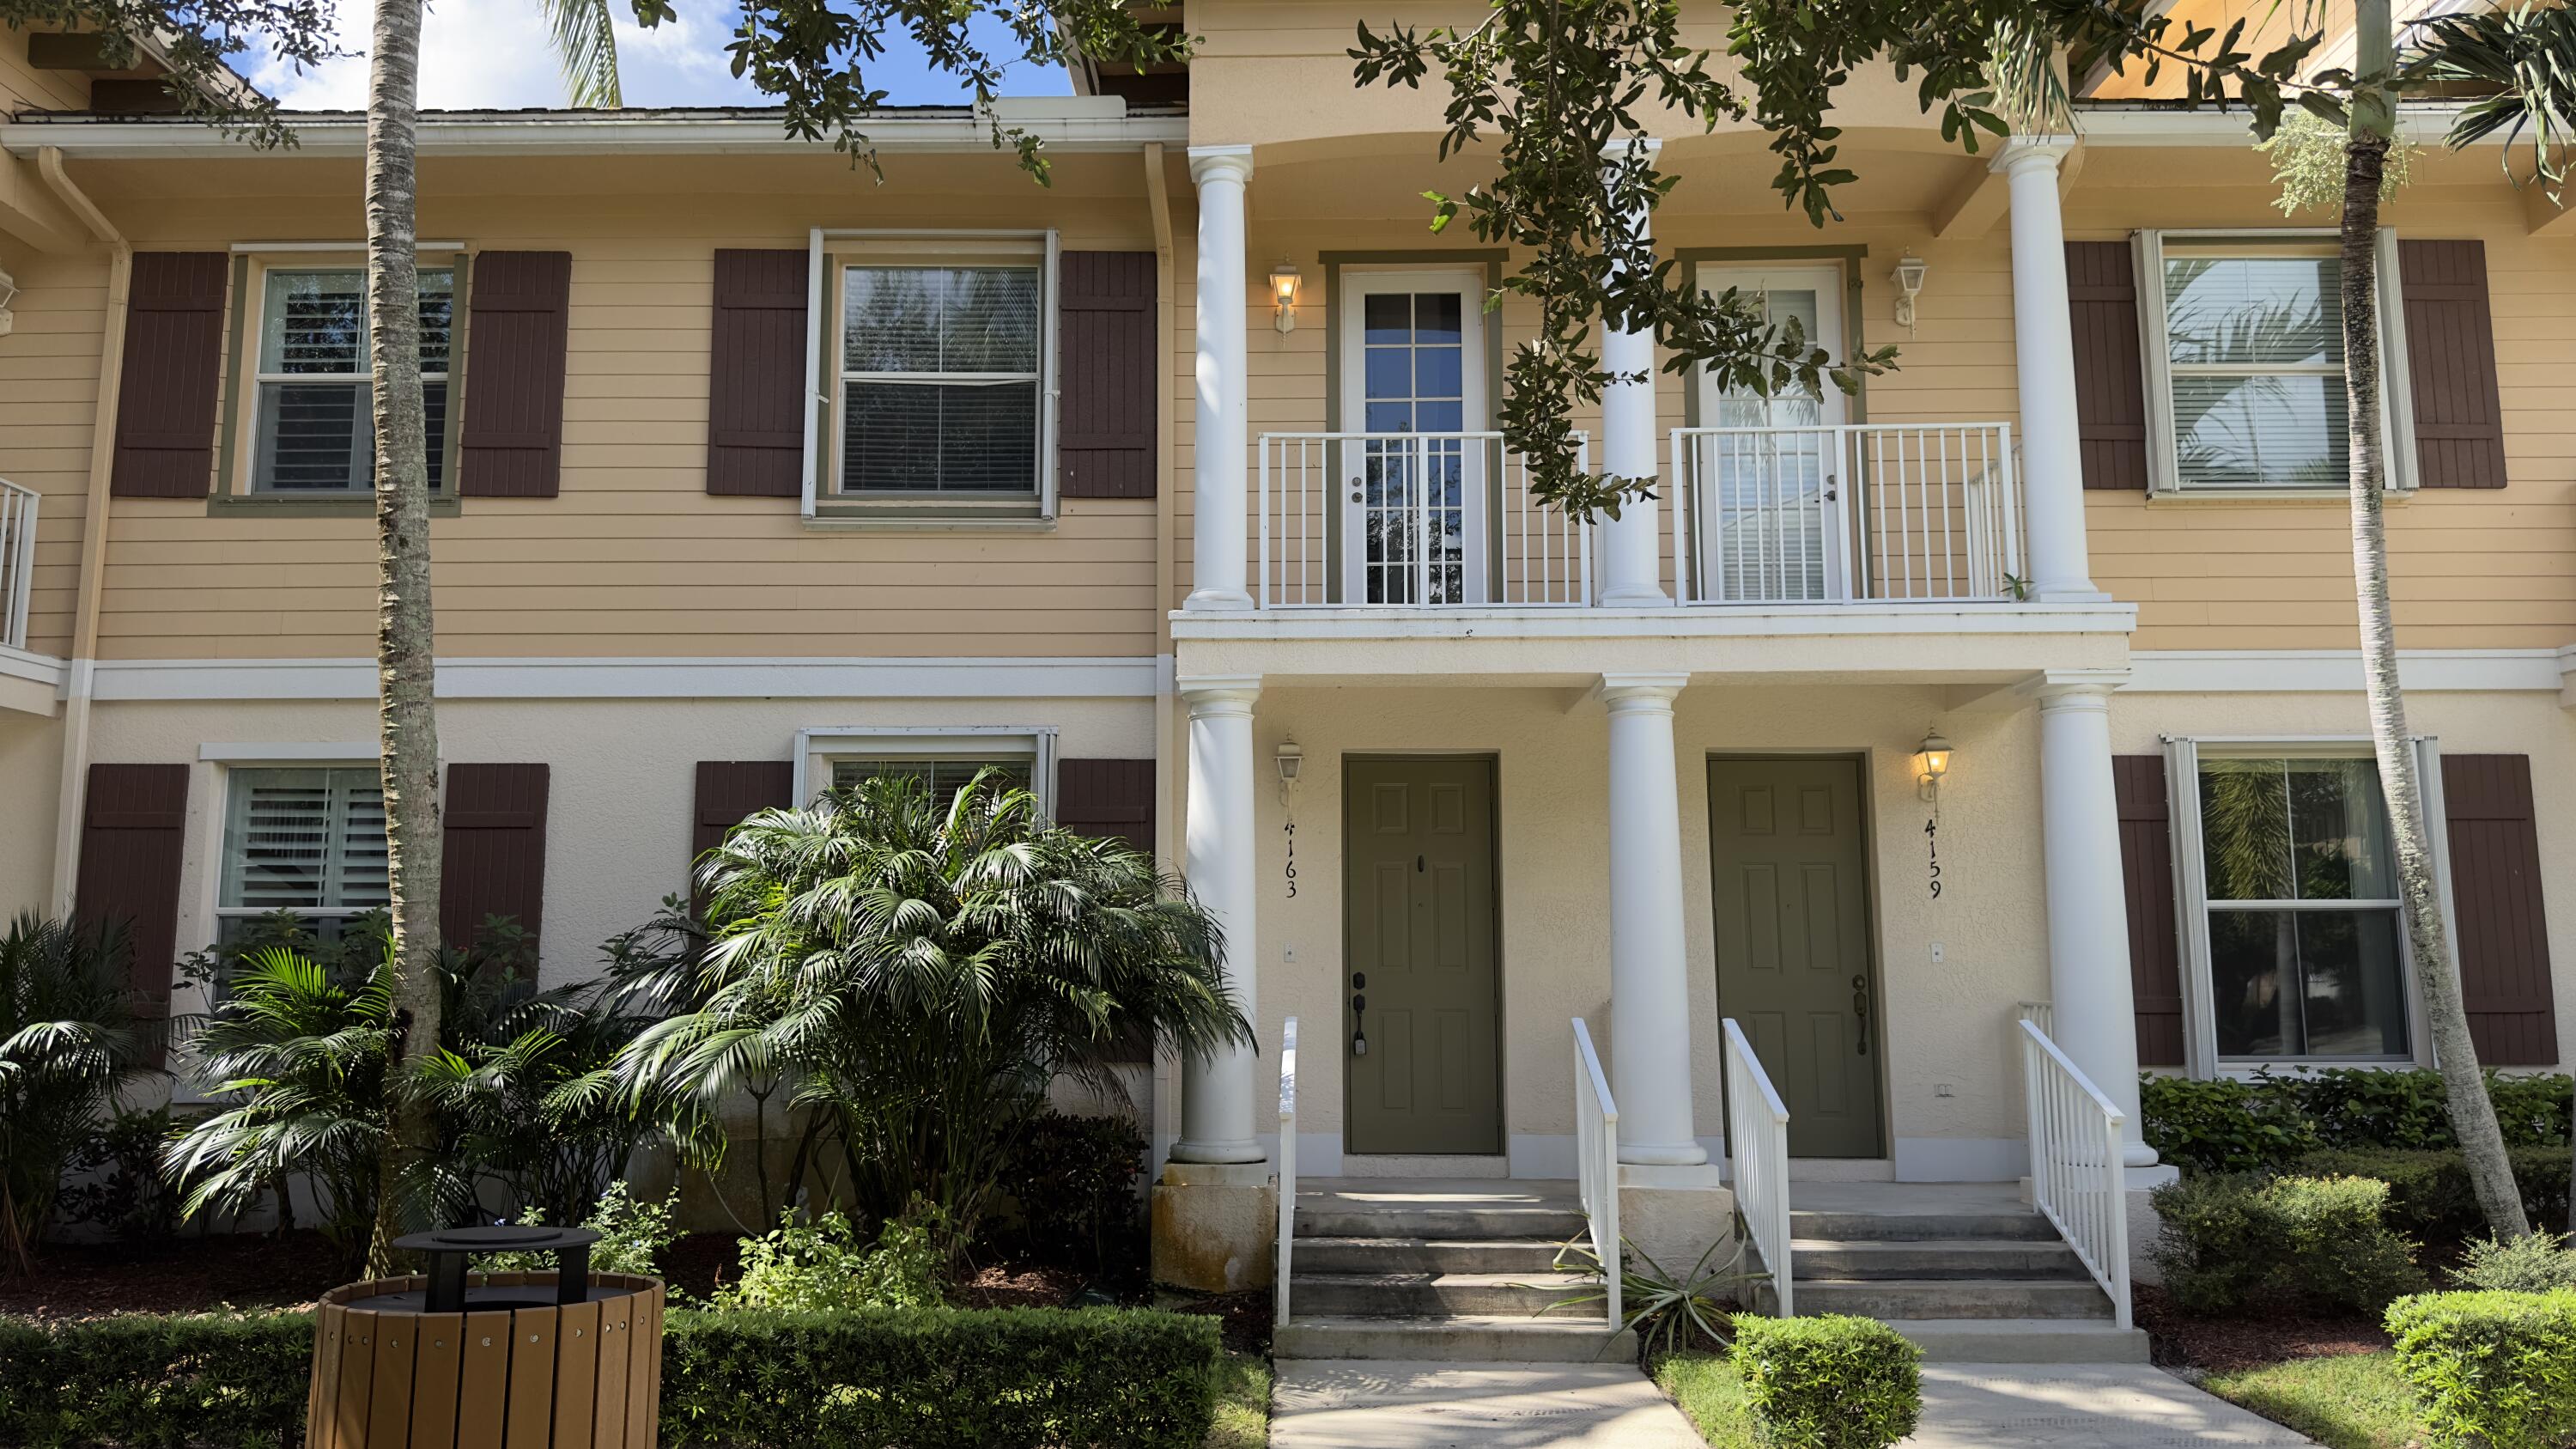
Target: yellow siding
(48, 388)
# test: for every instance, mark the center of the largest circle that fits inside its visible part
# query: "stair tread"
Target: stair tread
(1922, 1245)
(1448, 1279)
(1510, 1322)
(1949, 1284)
(1327, 1240)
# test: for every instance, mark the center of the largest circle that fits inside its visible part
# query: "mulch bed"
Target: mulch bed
(175, 1275)
(2223, 1345)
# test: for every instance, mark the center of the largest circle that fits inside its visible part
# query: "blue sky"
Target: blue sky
(493, 53)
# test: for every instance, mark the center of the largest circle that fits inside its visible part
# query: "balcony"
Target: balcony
(1410, 520)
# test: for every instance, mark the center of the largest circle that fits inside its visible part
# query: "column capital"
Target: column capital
(1624, 692)
(2023, 153)
(2076, 689)
(1223, 162)
(1218, 694)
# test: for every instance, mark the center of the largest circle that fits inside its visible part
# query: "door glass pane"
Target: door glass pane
(1413, 380)
(1770, 480)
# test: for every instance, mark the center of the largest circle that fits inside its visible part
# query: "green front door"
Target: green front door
(1420, 1013)
(1788, 848)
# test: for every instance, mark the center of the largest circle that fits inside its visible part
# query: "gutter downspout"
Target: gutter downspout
(72, 791)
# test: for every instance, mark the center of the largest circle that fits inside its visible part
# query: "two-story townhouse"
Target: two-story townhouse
(2021, 684)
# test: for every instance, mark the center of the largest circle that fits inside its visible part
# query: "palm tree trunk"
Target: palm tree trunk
(2437, 980)
(407, 723)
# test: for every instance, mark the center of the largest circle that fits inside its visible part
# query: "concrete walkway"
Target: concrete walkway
(2079, 1406)
(1350, 1404)
(1344, 1404)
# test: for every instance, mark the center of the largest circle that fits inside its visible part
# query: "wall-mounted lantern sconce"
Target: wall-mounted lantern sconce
(1931, 763)
(1908, 277)
(1291, 760)
(1284, 279)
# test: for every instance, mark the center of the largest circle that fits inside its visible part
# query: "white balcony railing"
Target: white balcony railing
(1757, 1143)
(17, 561)
(1877, 512)
(1596, 1164)
(2076, 1175)
(1287, 1167)
(1410, 520)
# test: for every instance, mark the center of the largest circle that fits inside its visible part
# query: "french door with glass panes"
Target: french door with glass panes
(1411, 467)
(1772, 512)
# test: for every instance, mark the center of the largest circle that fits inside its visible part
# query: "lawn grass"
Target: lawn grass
(2350, 1401)
(1711, 1396)
(1242, 1403)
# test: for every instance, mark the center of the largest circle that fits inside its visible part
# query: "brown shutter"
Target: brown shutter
(756, 383)
(133, 834)
(514, 385)
(2451, 364)
(1107, 797)
(2495, 889)
(2147, 866)
(729, 791)
(2110, 383)
(174, 360)
(494, 863)
(1106, 375)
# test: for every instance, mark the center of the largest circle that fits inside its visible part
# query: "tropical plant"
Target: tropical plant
(633, 1232)
(115, 1180)
(825, 1266)
(1669, 1313)
(70, 1037)
(584, 33)
(918, 972)
(305, 1060)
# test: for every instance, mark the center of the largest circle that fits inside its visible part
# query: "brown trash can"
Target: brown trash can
(515, 1370)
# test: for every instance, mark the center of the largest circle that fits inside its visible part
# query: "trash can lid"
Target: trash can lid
(500, 1237)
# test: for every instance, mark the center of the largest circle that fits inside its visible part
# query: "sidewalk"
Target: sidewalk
(2079, 1406)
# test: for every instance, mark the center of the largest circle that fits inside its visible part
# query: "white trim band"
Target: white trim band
(1138, 677)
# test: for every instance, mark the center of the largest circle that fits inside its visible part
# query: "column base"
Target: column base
(1649, 1154)
(1238, 1153)
(1635, 598)
(1216, 1226)
(1675, 1215)
(1218, 599)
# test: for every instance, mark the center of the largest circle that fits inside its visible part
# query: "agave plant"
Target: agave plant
(1670, 1313)
(302, 1057)
(70, 1037)
(916, 973)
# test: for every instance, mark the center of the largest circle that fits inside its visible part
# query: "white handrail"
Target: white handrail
(1845, 513)
(17, 561)
(1287, 1167)
(2076, 1174)
(1757, 1139)
(1596, 1163)
(1446, 501)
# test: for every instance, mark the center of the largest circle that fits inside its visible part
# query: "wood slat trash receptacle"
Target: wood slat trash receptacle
(528, 1361)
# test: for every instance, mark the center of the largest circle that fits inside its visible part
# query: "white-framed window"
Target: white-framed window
(315, 429)
(2294, 940)
(2243, 337)
(310, 839)
(936, 386)
(943, 757)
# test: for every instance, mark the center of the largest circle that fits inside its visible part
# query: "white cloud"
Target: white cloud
(495, 53)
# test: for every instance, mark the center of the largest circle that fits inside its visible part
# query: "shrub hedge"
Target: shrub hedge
(2430, 1198)
(2490, 1370)
(2261, 1124)
(2230, 1240)
(934, 1378)
(1831, 1382)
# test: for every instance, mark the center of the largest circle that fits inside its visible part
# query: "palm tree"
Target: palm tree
(917, 972)
(585, 40)
(69, 1038)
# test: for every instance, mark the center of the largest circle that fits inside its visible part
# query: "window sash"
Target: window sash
(2396, 412)
(268, 375)
(845, 379)
(2194, 908)
(320, 833)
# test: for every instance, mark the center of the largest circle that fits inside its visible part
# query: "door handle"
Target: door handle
(1860, 1009)
(1359, 1011)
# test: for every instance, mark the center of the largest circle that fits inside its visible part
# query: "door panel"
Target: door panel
(1789, 856)
(1421, 950)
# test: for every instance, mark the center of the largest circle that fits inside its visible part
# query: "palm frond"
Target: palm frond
(584, 35)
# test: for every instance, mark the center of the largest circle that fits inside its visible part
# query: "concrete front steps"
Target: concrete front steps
(1970, 1278)
(1441, 1271)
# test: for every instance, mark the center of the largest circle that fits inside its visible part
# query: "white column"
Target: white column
(2094, 1005)
(1631, 557)
(1222, 438)
(1216, 1092)
(2052, 458)
(1650, 1031)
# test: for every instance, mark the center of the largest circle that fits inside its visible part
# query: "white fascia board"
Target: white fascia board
(34, 668)
(2114, 125)
(1755, 621)
(340, 134)
(311, 752)
(2338, 671)
(643, 679)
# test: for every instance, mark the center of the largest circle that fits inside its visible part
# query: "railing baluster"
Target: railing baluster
(2075, 1165)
